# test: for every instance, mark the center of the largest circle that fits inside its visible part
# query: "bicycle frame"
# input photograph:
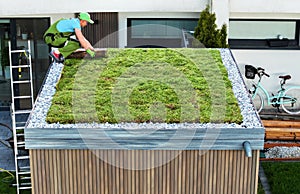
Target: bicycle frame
(280, 97)
(287, 97)
(270, 99)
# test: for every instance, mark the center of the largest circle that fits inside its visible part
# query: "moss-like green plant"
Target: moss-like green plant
(143, 85)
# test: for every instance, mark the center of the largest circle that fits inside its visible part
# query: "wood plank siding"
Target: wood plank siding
(76, 171)
(104, 32)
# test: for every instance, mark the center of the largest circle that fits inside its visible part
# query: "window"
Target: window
(266, 34)
(18, 31)
(158, 32)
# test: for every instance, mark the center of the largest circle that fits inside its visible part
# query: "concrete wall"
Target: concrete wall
(221, 9)
(272, 60)
(267, 6)
(275, 63)
(55, 10)
(124, 15)
(264, 9)
(16, 7)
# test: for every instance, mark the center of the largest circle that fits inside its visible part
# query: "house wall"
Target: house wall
(16, 7)
(272, 60)
(124, 15)
(82, 171)
(275, 63)
(268, 6)
(224, 9)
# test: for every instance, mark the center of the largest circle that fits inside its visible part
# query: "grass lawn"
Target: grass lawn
(143, 85)
(5, 184)
(260, 189)
(5, 181)
(283, 177)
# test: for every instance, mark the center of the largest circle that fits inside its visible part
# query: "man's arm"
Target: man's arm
(83, 41)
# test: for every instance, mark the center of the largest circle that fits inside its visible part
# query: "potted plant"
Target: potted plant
(24, 33)
(5, 62)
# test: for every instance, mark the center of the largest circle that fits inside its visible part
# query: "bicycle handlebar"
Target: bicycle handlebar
(266, 74)
(262, 71)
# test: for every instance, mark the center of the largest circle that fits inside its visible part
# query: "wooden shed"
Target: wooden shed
(211, 158)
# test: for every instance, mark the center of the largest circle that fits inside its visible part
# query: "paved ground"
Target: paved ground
(6, 153)
(7, 161)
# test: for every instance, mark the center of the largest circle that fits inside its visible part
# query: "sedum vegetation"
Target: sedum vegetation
(146, 85)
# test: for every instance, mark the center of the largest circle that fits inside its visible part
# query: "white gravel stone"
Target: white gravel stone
(283, 152)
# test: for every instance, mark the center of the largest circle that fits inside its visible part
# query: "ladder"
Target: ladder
(21, 107)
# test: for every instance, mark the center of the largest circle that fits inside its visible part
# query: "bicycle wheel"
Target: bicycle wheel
(291, 101)
(258, 102)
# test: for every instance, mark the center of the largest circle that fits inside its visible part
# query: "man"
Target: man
(59, 35)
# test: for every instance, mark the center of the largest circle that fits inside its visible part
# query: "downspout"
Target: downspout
(247, 148)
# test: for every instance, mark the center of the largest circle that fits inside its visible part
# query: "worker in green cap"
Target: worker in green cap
(60, 35)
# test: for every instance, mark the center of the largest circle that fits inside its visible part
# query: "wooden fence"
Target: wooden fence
(77, 171)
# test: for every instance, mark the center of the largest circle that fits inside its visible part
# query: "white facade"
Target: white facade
(16, 7)
(265, 9)
(56, 9)
(273, 60)
(224, 9)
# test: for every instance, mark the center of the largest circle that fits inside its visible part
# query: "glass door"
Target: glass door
(19, 31)
(5, 90)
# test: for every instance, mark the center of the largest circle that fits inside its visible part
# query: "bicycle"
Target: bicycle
(288, 97)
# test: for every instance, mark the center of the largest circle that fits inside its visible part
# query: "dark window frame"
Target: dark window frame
(153, 42)
(286, 44)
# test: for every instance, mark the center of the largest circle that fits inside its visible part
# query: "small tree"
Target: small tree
(207, 33)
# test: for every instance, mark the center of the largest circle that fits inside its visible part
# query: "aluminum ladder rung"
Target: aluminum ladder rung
(26, 178)
(22, 82)
(20, 127)
(24, 167)
(20, 66)
(23, 111)
(20, 134)
(25, 188)
(20, 123)
(19, 51)
(23, 173)
(25, 184)
(22, 97)
(21, 144)
(22, 157)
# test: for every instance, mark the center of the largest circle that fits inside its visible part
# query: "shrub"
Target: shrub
(207, 33)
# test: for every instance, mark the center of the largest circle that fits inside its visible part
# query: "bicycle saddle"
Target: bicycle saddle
(285, 77)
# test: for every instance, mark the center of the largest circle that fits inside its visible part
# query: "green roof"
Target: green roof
(146, 85)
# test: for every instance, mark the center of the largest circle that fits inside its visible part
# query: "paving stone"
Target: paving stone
(6, 154)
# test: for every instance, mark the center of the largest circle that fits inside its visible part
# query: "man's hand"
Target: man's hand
(91, 53)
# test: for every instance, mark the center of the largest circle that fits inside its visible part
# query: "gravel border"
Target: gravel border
(283, 152)
(251, 119)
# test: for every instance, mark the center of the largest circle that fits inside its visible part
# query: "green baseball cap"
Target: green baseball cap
(85, 16)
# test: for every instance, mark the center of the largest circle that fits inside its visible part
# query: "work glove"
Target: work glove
(91, 53)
